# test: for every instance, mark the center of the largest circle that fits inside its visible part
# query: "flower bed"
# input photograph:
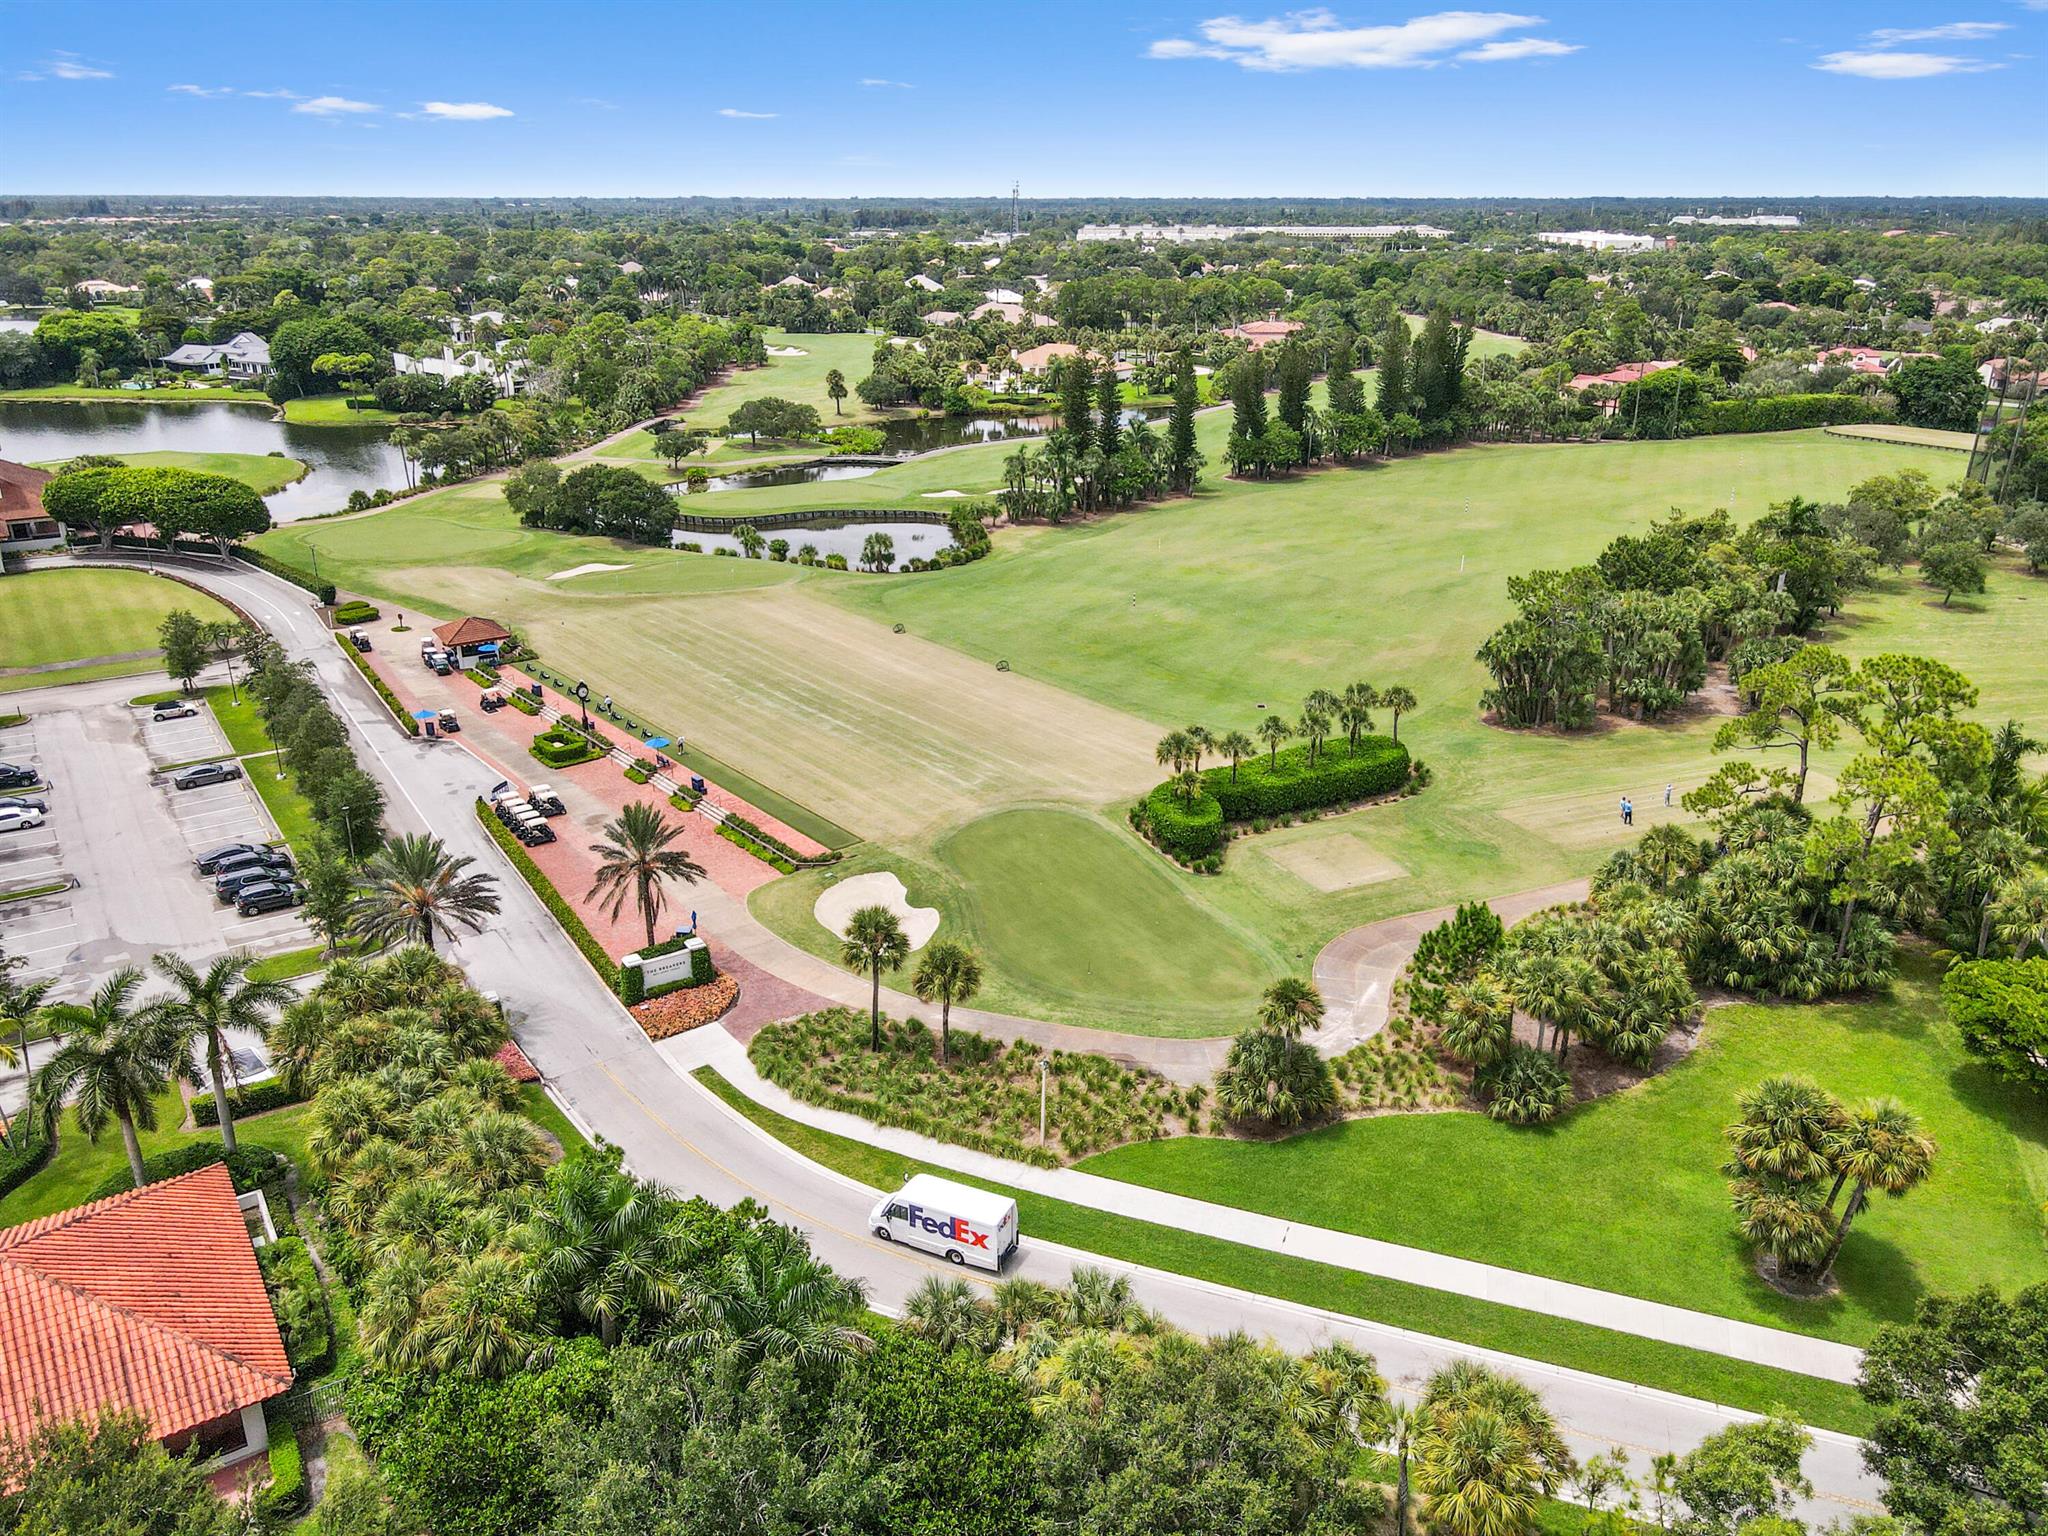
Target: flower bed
(690, 1008)
(985, 1098)
(563, 746)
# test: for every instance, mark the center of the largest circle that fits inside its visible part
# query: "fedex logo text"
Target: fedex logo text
(948, 1227)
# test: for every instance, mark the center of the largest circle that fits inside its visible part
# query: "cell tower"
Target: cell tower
(1014, 227)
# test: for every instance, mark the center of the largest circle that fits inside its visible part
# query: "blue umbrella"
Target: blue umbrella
(657, 742)
(426, 714)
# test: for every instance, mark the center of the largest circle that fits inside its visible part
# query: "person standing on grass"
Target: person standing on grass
(1628, 812)
(1667, 797)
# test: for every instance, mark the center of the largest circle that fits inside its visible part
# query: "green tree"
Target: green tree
(414, 890)
(1801, 704)
(835, 388)
(1077, 397)
(1952, 568)
(115, 1061)
(1882, 1147)
(205, 1005)
(1272, 1078)
(1109, 428)
(1397, 701)
(1938, 392)
(874, 942)
(107, 1476)
(1273, 730)
(1487, 1453)
(1778, 1165)
(1394, 393)
(1236, 746)
(947, 973)
(183, 639)
(1291, 1007)
(878, 552)
(1183, 458)
(1743, 1477)
(636, 860)
(770, 1300)
(605, 1248)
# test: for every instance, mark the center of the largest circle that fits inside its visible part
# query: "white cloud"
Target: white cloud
(1947, 32)
(1874, 65)
(1315, 39)
(278, 95)
(463, 111)
(736, 112)
(332, 106)
(894, 85)
(1518, 48)
(68, 66)
(202, 90)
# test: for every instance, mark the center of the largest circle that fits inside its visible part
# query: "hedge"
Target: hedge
(561, 746)
(286, 1495)
(356, 611)
(633, 986)
(1267, 787)
(1187, 831)
(27, 1156)
(383, 689)
(249, 1167)
(635, 774)
(1784, 413)
(767, 856)
(522, 703)
(250, 1101)
(324, 590)
(551, 898)
(761, 835)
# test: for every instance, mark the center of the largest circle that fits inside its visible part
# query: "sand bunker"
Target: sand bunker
(787, 352)
(837, 906)
(585, 570)
(937, 494)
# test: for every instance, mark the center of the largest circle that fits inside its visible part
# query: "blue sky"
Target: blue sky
(792, 96)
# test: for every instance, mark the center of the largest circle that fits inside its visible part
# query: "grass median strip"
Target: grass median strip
(1443, 1314)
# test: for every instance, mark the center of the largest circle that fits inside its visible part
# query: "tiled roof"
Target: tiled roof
(471, 631)
(148, 1300)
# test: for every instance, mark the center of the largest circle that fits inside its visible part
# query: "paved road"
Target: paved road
(611, 1079)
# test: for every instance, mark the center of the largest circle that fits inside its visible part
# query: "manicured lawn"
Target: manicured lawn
(261, 472)
(50, 616)
(235, 709)
(801, 379)
(331, 411)
(292, 811)
(79, 1166)
(1440, 1313)
(169, 394)
(1626, 1194)
(84, 674)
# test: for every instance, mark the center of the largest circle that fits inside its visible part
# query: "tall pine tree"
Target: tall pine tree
(1077, 398)
(1109, 433)
(1347, 390)
(1183, 458)
(1293, 374)
(1248, 397)
(1393, 376)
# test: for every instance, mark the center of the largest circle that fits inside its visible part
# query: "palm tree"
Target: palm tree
(635, 860)
(949, 973)
(20, 1005)
(1273, 730)
(1199, 741)
(1989, 860)
(1291, 1007)
(114, 1062)
(207, 1004)
(944, 1312)
(1881, 1147)
(835, 387)
(1397, 701)
(1187, 786)
(1314, 726)
(1173, 750)
(414, 890)
(1402, 1425)
(1668, 852)
(2020, 914)
(1478, 1477)
(771, 1301)
(1355, 710)
(1236, 746)
(603, 1247)
(749, 540)
(480, 1324)
(874, 942)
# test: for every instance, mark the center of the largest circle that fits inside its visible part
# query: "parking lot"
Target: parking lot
(123, 839)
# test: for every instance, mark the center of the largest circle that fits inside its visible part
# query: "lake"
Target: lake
(836, 536)
(786, 474)
(921, 434)
(342, 459)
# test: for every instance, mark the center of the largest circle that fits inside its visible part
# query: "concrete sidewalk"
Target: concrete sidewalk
(1464, 1277)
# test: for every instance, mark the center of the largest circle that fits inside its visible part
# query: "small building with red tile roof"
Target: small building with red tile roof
(24, 525)
(1260, 333)
(1627, 373)
(149, 1301)
(472, 639)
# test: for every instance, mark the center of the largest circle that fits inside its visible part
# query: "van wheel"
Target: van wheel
(954, 1256)
(883, 1234)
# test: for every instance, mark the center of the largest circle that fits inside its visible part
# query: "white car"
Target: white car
(19, 819)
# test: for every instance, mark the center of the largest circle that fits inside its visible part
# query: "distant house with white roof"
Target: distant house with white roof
(452, 365)
(203, 286)
(100, 291)
(631, 268)
(919, 280)
(1004, 296)
(242, 359)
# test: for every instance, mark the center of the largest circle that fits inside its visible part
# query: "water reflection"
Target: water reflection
(836, 536)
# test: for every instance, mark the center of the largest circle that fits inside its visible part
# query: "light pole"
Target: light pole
(1044, 1067)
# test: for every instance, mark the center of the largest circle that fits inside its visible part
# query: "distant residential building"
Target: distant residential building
(100, 291)
(242, 359)
(1263, 333)
(150, 1302)
(1004, 296)
(793, 281)
(1748, 220)
(203, 286)
(2010, 376)
(942, 317)
(24, 526)
(1863, 359)
(1598, 240)
(1038, 359)
(452, 365)
(1187, 234)
(1997, 324)
(631, 268)
(1627, 373)
(929, 285)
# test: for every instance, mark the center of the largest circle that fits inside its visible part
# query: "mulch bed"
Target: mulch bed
(687, 1009)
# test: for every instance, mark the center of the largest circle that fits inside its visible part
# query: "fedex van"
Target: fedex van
(964, 1224)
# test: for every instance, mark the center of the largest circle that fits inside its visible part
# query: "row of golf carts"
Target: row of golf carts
(525, 816)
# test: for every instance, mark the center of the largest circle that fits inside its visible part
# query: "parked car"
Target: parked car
(202, 774)
(441, 664)
(19, 820)
(546, 801)
(177, 711)
(448, 723)
(275, 860)
(23, 803)
(18, 776)
(268, 896)
(359, 640)
(229, 886)
(211, 860)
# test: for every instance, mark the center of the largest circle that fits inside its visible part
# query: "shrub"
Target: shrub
(2001, 1009)
(249, 1167)
(299, 1300)
(28, 1156)
(1188, 832)
(286, 1494)
(767, 856)
(522, 703)
(563, 746)
(252, 1100)
(1266, 787)
(762, 835)
(635, 774)
(357, 611)
(1785, 413)
(1525, 1087)
(633, 986)
(1273, 1079)
(551, 898)
(383, 689)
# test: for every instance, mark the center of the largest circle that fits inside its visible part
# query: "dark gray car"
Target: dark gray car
(205, 773)
(213, 858)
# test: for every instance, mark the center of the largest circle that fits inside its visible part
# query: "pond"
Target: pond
(836, 536)
(921, 434)
(342, 459)
(787, 474)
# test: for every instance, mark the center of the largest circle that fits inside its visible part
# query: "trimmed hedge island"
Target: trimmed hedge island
(1282, 784)
(563, 746)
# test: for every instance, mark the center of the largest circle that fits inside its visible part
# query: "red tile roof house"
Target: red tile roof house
(24, 525)
(1259, 333)
(148, 1301)
(465, 639)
